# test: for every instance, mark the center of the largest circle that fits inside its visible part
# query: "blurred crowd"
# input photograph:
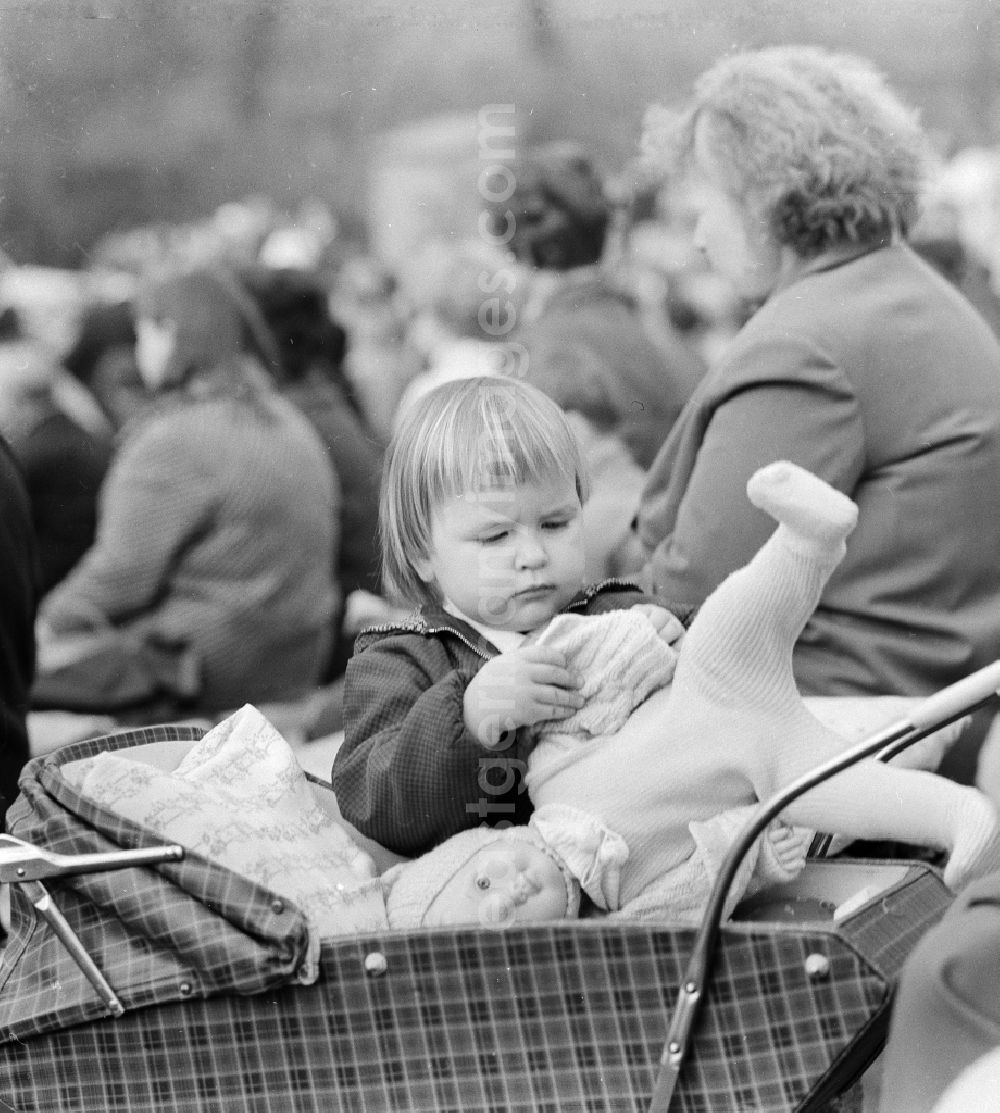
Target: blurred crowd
(265, 304)
(598, 297)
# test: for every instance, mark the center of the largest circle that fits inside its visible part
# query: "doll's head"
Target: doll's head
(485, 876)
(481, 500)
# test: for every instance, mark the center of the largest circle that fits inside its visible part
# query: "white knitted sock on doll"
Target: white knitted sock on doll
(739, 648)
(975, 836)
(817, 515)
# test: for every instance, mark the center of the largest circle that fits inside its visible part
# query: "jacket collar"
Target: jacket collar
(830, 260)
(434, 619)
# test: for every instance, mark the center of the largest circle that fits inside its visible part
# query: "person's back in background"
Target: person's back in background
(311, 348)
(17, 617)
(217, 529)
(860, 363)
(63, 443)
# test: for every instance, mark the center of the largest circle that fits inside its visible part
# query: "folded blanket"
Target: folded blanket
(240, 799)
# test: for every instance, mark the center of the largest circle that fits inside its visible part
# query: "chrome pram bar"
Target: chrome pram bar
(20, 861)
(25, 865)
(937, 711)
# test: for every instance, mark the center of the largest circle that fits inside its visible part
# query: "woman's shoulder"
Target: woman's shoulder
(790, 339)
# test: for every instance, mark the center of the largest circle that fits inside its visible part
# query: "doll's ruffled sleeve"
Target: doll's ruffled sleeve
(593, 853)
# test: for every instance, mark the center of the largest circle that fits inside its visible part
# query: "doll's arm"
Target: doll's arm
(779, 854)
(782, 856)
(712, 839)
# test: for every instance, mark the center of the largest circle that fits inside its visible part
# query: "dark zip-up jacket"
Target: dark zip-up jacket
(409, 774)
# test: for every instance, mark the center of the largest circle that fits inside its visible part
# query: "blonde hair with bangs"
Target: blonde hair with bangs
(469, 435)
(814, 141)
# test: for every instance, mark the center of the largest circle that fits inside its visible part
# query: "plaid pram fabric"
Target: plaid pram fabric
(192, 929)
(568, 1016)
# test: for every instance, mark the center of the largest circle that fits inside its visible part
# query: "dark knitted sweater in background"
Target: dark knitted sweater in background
(217, 529)
(18, 573)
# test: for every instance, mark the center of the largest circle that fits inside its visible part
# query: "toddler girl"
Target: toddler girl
(480, 510)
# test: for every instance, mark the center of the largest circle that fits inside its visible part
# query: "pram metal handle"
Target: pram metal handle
(937, 711)
(20, 861)
(25, 865)
(957, 699)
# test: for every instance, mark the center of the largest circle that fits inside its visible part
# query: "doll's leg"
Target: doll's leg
(740, 643)
(873, 800)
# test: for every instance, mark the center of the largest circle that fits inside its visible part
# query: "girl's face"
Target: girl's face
(506, 882)
(155, 344)
(510, 557)
(735, 239)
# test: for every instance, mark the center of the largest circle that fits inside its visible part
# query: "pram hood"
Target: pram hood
(161, 933)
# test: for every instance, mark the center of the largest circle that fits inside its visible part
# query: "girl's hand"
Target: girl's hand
(666, 624)
(520, 688)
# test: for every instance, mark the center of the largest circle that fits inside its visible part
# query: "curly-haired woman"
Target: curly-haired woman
(859, 363)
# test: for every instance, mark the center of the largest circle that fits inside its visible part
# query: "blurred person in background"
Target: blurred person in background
(937, 237)
(584, 337)
(217, 528)
(102, 357)
(311, 347)
(859, 362)
(700, 304)
(458, 291)
(943, 1050)
(378, 365)
(18, 598)
(63, 443)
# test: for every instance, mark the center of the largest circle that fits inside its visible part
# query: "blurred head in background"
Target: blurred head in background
(103, 359)
(193, 322)
(557, 216)
(791, 152)
(295, 306)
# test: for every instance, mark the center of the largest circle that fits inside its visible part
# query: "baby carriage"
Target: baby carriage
(136, 979)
